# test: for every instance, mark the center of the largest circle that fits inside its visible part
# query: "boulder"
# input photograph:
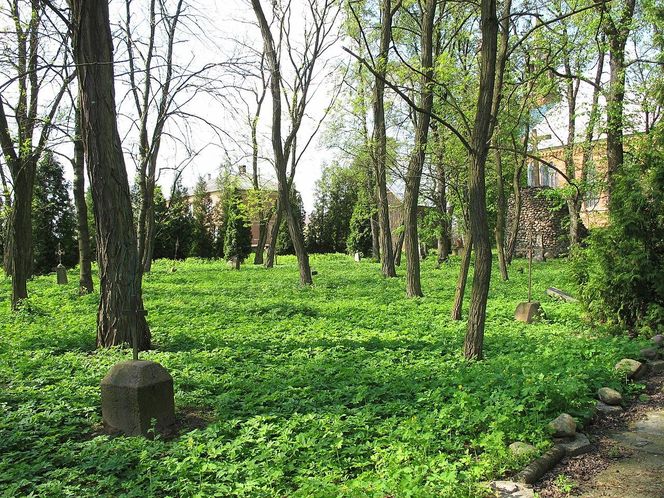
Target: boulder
(136, 394)
(609, 396)
(563, 426)
(650, 353)
(658, 340)
(519, 448)
(632, 369)
(528, 312)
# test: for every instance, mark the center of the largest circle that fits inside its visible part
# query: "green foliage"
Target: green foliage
(237, 239)
(621, 272)
(53, 217)
(329, 223)
(359, 236)
(175, 226)
(342, 389)
(202, 237)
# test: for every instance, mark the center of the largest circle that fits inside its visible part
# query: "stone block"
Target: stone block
(133, 394)
(358, 257)
(61, 272)
(578, 445)
(528, 312)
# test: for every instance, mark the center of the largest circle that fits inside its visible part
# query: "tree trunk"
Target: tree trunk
(460, 291)
(20, 226)
(262, 239)
(380, 143)
(85, 284)
(274, 235)
(479, 228)
(416, 164)
(119, 319)
(375, 237)
(501, 215)
(398, 247)
(514, 226)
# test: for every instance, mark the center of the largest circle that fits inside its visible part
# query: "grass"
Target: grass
(342, 389)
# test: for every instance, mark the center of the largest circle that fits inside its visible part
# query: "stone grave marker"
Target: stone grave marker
(530, 310)
(137, 394)
(60, 270)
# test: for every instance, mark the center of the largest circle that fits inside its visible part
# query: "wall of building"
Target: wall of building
(538, 219)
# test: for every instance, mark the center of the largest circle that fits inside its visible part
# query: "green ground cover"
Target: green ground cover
(343, 389)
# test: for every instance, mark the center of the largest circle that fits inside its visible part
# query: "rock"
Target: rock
(528, 312)
(133, 394)
(650, 353)
(549, 255)
(656, 366)
(609, 396)
(563, 426)
(358, 257)
(519, 448)
(61, 272)
(504, 489)
(314, 273)
(633, 370)
(604, 409)
(577, 446)
(658, 340)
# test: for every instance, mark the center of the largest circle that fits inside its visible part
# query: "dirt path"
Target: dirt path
(627, 460)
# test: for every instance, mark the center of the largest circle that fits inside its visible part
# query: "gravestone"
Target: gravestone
(134, 395)
(61, 272)
(529, 311)
(358, 257)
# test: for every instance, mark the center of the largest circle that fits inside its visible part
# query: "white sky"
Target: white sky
(225, 24)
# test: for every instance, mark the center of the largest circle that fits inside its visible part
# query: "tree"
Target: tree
(202, 242)
(85, 253)
(329, 223)
(316, 42)
(119, 319)
(237, 238)
(53, 218)
(416, 163)
(174, 234)
(22, 145)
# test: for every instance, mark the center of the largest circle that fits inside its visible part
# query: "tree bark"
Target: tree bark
(274, 235)
(119, 319)
(416, 164)
(398, 247)
(85, 284)
(379, 150)
(457, 308)
(501, 216)
(479, 228)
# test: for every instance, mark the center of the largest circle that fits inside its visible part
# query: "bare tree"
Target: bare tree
(121, 318)
(34, 67)
(316, 41)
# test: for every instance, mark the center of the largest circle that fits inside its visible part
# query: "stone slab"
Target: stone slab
(135, 395)
(61, 273)
(579, 445)
(656, 367)
(505, 489)
(605, 409)
(559, 294)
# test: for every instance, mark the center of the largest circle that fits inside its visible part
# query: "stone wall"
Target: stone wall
(546, 225)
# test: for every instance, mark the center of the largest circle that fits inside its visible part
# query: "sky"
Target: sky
(224, 25)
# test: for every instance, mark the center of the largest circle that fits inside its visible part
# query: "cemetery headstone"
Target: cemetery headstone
(60, 270)
(530, 310)
(358, 257)
(137, 394)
